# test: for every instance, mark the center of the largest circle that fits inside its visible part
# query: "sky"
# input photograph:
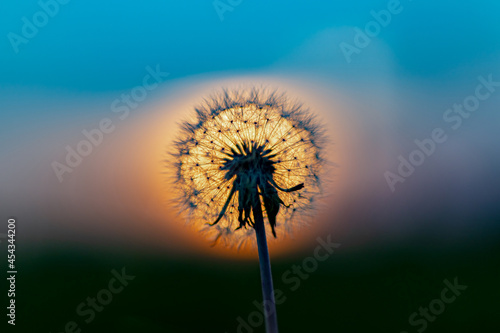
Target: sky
(394, 86)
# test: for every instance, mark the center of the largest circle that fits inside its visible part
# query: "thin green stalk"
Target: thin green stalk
(269, 303)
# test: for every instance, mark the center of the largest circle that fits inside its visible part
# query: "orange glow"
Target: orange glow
(155, 131)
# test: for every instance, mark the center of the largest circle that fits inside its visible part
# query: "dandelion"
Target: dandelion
(249, 156)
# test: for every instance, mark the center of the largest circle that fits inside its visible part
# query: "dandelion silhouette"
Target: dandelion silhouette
(249, 155)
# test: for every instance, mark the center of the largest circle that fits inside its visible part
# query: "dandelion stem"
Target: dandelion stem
(269, 303)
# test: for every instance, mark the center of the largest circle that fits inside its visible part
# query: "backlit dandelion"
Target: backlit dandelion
(248, 156)
(241, 139)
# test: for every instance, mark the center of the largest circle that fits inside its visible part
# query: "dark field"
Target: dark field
(369, 291)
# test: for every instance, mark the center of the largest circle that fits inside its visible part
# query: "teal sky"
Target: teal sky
(393, 91)
(98, 46)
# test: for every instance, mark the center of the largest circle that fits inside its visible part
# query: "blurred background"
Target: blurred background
(379, 75)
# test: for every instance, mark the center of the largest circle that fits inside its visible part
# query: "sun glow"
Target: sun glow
(231, 127)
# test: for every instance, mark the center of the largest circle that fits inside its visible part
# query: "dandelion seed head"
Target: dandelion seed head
(229, 128)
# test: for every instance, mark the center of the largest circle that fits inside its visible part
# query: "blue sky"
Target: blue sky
(94, 45)
(395, 90)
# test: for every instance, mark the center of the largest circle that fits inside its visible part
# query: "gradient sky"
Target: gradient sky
(394, 91)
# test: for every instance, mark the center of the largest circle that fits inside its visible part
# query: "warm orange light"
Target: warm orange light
(226, 124)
